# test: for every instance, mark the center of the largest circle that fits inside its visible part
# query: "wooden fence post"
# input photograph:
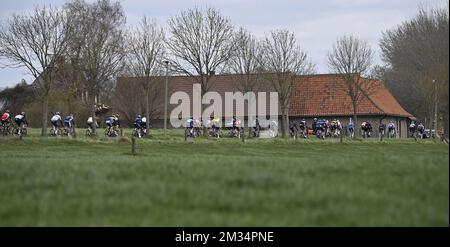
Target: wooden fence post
(133, 145)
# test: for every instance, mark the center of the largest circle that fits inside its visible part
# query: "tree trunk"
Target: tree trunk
(284, 122)
(44, 115)
(355, 119)
(94, 122)
(147, 109)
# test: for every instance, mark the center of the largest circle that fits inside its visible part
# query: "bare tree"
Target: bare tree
(128, 99)
(144, 59)
(15, 98)
(199, 44)
(96, 44)
(37, 42)
(286, 60)
(352, 58)
(244, 61)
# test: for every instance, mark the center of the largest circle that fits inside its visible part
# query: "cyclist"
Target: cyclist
(412, 129)
(303, 128)
(321, 127)
(335, 127)
(138, 125)
(56, 122)
(20, 120)
(351, 128)
(69, 122)
(293, 129)
(382, 128)
(6, 118)
(113, 124)
(391, 129)
(366, 129)
(273, 128)
(190, 125)
(314, 125)
(144, 124)
(421, 129)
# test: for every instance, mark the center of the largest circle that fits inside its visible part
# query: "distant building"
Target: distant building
(321, 96)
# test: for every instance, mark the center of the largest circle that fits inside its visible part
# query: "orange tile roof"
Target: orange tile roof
(326, 95)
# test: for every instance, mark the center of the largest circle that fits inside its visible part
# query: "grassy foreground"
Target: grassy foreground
(262, 182)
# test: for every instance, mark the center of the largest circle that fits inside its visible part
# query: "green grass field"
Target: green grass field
(202, 182)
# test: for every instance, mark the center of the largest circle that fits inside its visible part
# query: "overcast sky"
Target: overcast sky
(317, 23)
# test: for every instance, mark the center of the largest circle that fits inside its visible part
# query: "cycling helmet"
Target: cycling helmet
(57, 113)
(139, 116)
(7, 111)
(22, 113)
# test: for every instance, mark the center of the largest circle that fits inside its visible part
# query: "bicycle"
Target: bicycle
(255, 131)
(352, 132)
(391, 133)
(215, 132)
(320, 134)
(6, 129)
(236, 132)
(69, 131)
(139, 132)
(192, 132)
(293, 133)
(89, 132)
(366, 133)
(20, 130)
(55, 131)
(303, 132)
(112, 131)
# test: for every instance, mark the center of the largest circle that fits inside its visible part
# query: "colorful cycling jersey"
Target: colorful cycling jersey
(320, 124)
(350, 125)
(273, 124)
(391, 126)
(19, 117)
(302, 124)
(68, 121)
(293, 125)
(55, 118)
(138, 122)
(6, 116)
(112, 121)
(237, 123)
(190, 123)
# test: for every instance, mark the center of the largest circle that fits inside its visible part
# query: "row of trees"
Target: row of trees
(82, 47)
(416, 53)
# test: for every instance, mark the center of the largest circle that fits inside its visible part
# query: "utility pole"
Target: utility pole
(435, 107)
(165, 96)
